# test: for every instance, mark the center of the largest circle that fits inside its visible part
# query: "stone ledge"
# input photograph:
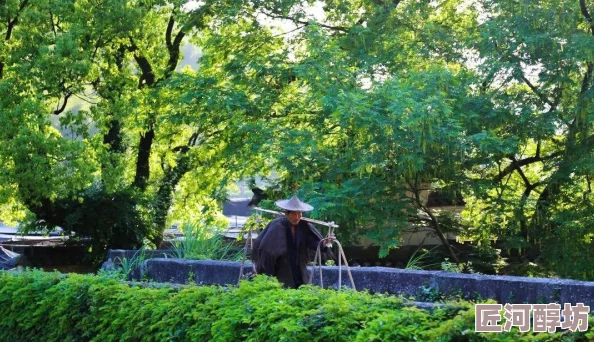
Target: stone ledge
(504, 289)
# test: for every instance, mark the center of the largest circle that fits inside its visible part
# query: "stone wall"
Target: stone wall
(504, 289)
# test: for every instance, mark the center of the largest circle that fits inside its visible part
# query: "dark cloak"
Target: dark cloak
(277, 254)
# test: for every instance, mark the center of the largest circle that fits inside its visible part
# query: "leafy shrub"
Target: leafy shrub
(112, 220)
(38, 306)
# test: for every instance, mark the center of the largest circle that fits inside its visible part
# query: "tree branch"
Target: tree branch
(519, 163)
(586, 15)
(169, 31)
(523, 200)
(305, 23)
(53, 25)
(145, 143)
(147, 76)
(537, 92)
(193, 139)
(173, 47)
(433, 220)
(552, 104)
(61, 109)
(11, 24)
(519, 169)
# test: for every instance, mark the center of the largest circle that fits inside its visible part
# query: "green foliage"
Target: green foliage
(50, 306)
(449, 266)
(125, 266)
(531, 175)
(201, 242)
(416, 260)
(428, 293)
(106, 134)
(255, 223)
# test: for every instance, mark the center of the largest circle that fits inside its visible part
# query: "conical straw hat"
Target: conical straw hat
(293, 204)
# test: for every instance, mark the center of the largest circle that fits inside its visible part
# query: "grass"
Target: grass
(198, 243)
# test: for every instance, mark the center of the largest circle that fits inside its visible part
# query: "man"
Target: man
(281, 249)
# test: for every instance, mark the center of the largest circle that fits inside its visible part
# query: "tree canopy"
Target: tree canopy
(359, 106)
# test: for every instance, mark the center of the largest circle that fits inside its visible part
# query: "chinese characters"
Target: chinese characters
(545, 317)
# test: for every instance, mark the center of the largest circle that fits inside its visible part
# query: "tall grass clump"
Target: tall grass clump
(200, 242)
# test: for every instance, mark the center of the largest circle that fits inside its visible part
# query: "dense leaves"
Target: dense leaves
(536, 69)
(106, 134)
(50, 306)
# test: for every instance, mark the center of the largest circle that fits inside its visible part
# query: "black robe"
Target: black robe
(276, 253)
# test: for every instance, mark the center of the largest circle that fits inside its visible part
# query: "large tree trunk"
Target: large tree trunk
(164, 197)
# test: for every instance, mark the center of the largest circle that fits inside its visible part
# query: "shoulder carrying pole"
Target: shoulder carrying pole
(278, 213)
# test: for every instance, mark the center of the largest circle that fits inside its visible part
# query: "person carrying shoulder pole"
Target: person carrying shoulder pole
(281, 249)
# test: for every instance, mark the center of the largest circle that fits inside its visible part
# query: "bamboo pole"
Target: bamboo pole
(278, 213)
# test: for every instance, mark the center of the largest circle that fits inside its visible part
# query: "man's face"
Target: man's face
(293, 217)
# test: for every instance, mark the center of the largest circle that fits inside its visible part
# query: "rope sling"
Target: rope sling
(318, 256)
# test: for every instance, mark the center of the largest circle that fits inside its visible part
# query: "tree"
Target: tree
(381, 110)
(491, 97)
(139, 125)
(360, 108)
(333, 107)
(536, 145)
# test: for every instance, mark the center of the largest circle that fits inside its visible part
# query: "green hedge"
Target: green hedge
(39, 306)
